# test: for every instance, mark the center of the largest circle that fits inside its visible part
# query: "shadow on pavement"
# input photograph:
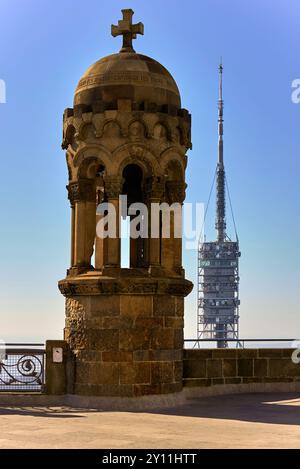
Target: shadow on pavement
(264, 408)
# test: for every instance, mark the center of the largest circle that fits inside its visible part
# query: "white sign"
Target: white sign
(57, 355)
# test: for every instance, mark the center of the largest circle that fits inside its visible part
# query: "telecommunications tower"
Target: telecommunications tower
(218, 264)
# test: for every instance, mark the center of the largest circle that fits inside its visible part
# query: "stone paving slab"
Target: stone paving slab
(239, 421)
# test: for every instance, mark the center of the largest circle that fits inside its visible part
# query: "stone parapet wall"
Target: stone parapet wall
(145, 363)
(211, 367)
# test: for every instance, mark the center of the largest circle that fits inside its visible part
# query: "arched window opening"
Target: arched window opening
(99, 255)
(100, 172)
(132, 248)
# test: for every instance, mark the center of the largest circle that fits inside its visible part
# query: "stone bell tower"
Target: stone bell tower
(126, 134)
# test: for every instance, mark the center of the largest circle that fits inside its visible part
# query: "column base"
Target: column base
(79, 270)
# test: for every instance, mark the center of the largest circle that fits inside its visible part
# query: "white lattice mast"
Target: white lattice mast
(218, 266)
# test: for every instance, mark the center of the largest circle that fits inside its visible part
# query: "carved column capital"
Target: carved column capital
(155, 187)
(113, 187)
(81, 191)
(175, 191)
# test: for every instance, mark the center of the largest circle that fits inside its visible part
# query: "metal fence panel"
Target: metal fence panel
(22, 370)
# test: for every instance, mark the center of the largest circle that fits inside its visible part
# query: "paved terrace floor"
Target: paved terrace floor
(237, 421)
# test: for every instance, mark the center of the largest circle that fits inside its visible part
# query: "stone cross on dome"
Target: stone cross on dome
(128, 30)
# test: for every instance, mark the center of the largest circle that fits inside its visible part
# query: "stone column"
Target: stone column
(82, 197)
(167, 257)
(72, 233)
(172, 247)
(99, 248)
(113, 188)
(154, 193)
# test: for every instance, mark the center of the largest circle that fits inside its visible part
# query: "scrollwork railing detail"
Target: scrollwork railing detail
(22, 370)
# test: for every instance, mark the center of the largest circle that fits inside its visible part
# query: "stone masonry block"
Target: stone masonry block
(165, 355)
(284, 368)
(202, 382)
(269, 353)
(141, 355)
(126, 340)
(233, 380)
(127, 373)
(179, 307)
(103, 373)
(111, 390)
(217, 381)
(149, 322)
(214, 368)
(155, 373)
(245, 367)
(194, 368)
(117, 356)
(197, 354)
(247, 353)
(136, 306)
(141, 338)
(178, 339)
(104, 305)
(224, 353)
(164, 305)
(178, 371)
(260, 367)
(255, 379)
(176, 323)
(278, 380)
(229, 368)
(135, 373)
(103, 339)
(146, 389)
(163, 339)
(142, 372)
(135, 339)
(287, 352)
(167, 372)
(168, 388)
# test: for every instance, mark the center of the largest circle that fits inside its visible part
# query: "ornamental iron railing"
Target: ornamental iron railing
(22, 367)
(240, 343)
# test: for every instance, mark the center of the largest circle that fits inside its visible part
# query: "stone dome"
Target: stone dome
(127, 75)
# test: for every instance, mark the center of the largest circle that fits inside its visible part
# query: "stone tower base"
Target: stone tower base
(126, 333)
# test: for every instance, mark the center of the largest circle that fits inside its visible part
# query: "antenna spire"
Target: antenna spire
(221, 107)
(221, 209)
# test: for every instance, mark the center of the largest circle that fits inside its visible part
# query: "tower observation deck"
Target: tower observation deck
(218, 264)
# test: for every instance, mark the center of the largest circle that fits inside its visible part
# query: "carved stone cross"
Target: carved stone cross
(128, 30)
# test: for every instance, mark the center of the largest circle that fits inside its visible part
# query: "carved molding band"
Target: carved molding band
(136, 78)
(136, 286)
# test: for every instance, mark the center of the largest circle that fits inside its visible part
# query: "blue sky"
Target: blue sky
(45, 47)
